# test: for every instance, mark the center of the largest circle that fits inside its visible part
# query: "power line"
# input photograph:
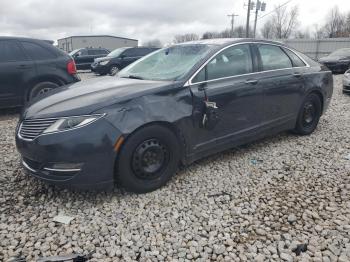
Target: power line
(286, 3)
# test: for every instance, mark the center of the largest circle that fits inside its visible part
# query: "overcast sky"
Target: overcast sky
(140, 19)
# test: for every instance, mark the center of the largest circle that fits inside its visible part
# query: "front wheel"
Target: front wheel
(309, 115)
(113, 70)
(148, 159)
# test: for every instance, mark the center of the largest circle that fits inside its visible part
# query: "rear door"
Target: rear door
(282, 84)
(15, 70)
(230, 81)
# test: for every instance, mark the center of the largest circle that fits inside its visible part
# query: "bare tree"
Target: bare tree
(267, 30)
(185, 38)
(239, 32)
(302, 34)
(335, 23)
(285, 21)
(153, 43)
(318, 32)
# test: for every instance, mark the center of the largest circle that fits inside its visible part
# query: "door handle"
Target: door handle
(252, 82)
(297, 75)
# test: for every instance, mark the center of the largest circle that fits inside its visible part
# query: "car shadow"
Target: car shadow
(10, 111)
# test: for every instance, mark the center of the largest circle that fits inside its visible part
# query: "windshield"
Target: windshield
(341, 52)
(73, 52)
(167, 64)
(117, 52)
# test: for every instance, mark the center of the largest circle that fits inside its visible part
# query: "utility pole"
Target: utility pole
(232, 22)
(248, 18)
(259, 7)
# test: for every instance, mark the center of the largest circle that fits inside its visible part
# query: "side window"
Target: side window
(37, 52)
(273, 57)
(10, 51)
(297, 62)
(236, 60)
(129, 52)
(92, 52)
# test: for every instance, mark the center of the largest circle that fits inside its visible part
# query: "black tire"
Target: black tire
(163, 147)
(309, 115)
(113, 70)
(41, 88)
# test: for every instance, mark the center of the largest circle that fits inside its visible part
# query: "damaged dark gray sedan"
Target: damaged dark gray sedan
(172, 107)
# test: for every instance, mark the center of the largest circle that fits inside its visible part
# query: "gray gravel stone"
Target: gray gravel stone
(297, 191)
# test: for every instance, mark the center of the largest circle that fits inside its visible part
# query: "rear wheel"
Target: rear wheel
(41, 88)
(309, 115)
(148, 159)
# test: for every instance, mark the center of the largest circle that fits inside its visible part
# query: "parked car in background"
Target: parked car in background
(84, 57)
(338, 61)
(176, 105)
(29, 68)
(346, 82)
(118, 59)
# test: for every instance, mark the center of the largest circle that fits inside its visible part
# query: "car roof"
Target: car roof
(229, 41)
(23, 38)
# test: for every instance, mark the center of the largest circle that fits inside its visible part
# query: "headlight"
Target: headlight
(347, 74)
(67, 123)
(104, 62)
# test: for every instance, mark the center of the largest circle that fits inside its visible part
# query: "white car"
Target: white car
(346, 82)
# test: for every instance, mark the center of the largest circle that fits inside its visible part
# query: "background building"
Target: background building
(71, 43)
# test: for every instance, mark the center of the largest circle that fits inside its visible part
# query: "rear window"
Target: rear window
(37, 52)
(10, 51)
(274, 58)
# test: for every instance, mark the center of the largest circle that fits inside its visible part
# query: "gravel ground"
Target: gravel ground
(284, 198)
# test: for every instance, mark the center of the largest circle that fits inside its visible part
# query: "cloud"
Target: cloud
(140, 19)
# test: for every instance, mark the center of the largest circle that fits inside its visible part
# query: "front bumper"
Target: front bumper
(337, 67)
(99, 69)
(346, 85)
(91, 147)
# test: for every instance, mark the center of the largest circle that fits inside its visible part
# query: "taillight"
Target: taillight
(71, 68)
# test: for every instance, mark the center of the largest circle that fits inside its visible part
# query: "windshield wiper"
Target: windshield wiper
(133, 77)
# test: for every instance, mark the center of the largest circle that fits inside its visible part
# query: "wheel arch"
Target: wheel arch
(171, 126)
(320, 95)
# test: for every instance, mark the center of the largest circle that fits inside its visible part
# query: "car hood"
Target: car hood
(333, 58)
(88, 96)
(100, 59)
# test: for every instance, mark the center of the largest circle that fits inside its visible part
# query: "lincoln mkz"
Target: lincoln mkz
(170, 108)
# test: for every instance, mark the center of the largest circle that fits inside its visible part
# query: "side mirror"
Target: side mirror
(76, 55)
(122, 56)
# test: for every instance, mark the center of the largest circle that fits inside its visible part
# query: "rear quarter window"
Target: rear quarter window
(37, 52)
(297, 62)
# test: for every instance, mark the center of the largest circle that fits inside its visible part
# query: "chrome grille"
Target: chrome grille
(30, 129)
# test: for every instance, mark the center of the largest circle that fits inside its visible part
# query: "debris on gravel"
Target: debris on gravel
(291, 204)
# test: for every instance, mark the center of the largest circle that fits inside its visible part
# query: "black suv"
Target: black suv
(119, 58)
(30, 67)
(84, 57)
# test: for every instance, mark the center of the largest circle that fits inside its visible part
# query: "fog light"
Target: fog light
(64, 167)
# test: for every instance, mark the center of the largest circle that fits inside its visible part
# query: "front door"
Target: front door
(229, 81)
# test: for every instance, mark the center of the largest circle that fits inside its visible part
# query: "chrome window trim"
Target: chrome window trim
(190, 83)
